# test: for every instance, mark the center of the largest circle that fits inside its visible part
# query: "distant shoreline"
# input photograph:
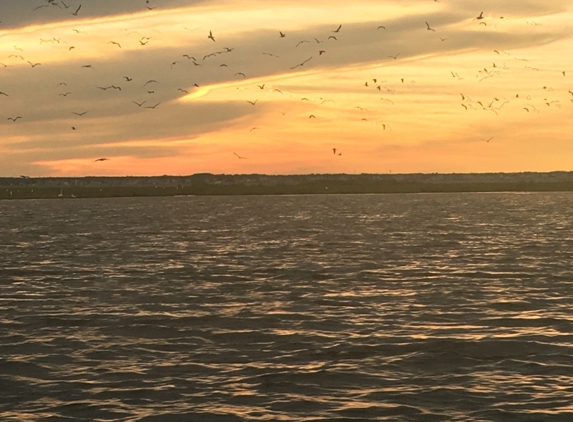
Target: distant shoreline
(259, 184)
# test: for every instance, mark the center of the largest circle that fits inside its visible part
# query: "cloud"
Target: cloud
(204, 97)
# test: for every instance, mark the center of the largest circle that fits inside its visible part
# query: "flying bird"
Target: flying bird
(428, 27)
(79, 114)
(210, 36)
(115, 42)
(14, 118)
(253, 102)
(77, 10)
(239, 157)
(102, 159)
(302, 64)
(338, 29)
(282, 34)
(139, 104)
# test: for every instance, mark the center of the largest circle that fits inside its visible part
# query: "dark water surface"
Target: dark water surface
(434, 307)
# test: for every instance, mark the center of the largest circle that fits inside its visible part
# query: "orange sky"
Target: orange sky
(506, 78)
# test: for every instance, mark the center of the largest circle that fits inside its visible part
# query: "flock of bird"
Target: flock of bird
(312, 49)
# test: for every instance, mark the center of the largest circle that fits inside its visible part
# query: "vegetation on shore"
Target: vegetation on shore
(37, 188)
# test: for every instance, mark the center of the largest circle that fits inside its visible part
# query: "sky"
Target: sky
(284, 87)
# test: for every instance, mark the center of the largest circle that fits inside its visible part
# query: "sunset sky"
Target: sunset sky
(466, 94)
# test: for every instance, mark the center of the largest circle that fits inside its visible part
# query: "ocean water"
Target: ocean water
(424, 307)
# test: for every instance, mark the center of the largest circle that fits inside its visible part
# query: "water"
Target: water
(434, 307)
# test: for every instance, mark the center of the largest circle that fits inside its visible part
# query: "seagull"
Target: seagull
(333, 37)
(239, 157)
(381, 26)
(210, 36)
(240, 74)
(334, 150)
(153, 106)
(102, 159)
(253, 102)
(338, 29)
(301, 43)
(139, 104)
(115, 42)
(14, 118)
(261, 86)
(182, 90)
(480, 16)
(428, 27)
(77, 10)
(150, 81)
(128, 79)
(302, 64)
(395, 57)
(3, 93)
(79, 114)
(487, 140)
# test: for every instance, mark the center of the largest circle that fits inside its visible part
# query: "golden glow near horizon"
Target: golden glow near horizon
(389, 94)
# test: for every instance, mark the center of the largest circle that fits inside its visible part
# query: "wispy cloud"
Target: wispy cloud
(366, 77)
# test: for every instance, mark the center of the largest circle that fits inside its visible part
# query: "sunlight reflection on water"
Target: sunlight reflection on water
(299, 308)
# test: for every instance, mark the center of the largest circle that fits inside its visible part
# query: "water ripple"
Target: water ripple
(453, 307)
